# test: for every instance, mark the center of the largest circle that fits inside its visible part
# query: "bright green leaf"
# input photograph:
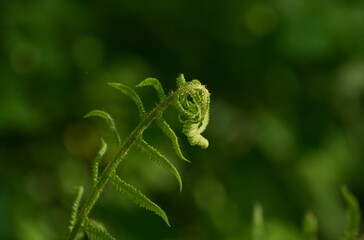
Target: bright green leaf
(160, 160)
(137, 197)
(132, 94)
(110, 122)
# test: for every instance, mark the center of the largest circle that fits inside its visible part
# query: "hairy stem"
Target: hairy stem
(133, 138)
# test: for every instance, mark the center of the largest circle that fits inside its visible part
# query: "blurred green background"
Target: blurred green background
(286, 130)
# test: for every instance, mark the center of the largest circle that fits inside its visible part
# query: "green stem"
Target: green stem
(111, 167)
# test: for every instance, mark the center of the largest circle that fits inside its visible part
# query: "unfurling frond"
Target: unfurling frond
(353, 214)
(132, 94)
(258, 232)
(110, 122)
(137, 197)
(192, 101)
(95, 163)
(75, 206)
(160, 160)
(191, 131)
(167, 130)
(181, 81)
(156, 85)
(194, 109)
(96, 233)
(310, 227)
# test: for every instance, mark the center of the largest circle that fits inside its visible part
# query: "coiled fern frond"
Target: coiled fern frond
(194, 109)
(191, 99)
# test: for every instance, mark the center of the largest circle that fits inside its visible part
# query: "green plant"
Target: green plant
(353, 213)
(310, 224)
(191, 99)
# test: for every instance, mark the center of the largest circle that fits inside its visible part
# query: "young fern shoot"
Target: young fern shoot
(192, 100)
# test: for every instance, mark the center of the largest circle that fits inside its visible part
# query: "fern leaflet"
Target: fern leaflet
(110, 122)
(96, 233)
(95, 164)
(167, 130)
(75, 206)
(132, 94)
(160, 160)
(156, 85)
(137, 197)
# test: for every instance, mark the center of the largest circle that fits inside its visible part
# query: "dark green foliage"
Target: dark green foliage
(310, 223)
(353, 216)
(287, 81)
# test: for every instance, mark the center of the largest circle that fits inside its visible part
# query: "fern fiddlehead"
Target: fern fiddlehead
(191, 99)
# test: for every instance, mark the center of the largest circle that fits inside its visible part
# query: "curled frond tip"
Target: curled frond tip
(194, 110)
